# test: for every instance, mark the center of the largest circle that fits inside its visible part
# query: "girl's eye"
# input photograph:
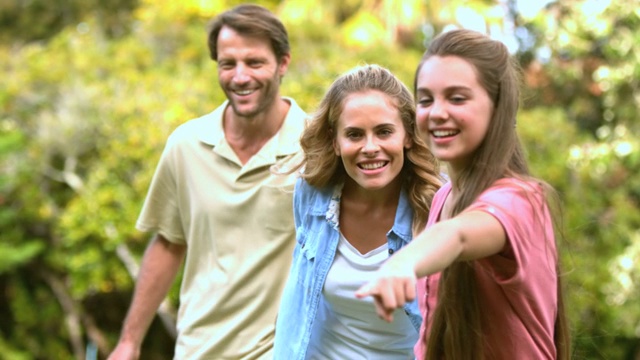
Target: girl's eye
(385, 132)
(425, 101)
(458, 99)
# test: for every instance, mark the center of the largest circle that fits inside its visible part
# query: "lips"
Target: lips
(444, 133)
(372, 165)
(243, 92)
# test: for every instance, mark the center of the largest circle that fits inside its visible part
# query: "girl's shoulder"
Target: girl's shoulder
(515, 192)
(517, 185)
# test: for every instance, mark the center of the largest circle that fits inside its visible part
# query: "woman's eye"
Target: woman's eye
(353, 135)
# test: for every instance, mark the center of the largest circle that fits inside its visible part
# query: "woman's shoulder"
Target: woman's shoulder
(303, 187)
(309, 194)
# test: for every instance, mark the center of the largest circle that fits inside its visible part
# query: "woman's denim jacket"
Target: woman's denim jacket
(317, 234)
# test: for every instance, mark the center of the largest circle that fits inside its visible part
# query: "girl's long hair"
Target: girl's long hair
(456, 330)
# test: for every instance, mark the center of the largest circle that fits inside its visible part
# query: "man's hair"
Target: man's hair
(250, 20)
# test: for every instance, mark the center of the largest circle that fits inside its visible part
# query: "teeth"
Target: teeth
(244, 92)
(372, 166)
(441, 133)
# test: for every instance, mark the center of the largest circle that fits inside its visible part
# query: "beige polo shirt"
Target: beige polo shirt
(237, 223)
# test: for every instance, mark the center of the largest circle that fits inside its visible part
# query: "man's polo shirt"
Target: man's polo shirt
(237, 223)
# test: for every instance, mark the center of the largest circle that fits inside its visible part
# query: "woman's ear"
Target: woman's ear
(334, 143)
(408, 142)
(336, 148)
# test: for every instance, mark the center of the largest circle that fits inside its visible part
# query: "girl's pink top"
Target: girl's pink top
(518, 286)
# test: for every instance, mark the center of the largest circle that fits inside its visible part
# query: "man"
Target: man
(215, 203)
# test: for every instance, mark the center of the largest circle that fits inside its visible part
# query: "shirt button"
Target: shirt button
(390, 251)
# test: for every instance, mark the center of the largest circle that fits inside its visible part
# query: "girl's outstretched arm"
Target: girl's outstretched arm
(469, 236)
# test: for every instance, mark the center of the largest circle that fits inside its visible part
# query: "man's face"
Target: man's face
(248, 72)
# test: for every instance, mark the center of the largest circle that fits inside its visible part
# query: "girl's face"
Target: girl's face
(453, 110)
(370, 139)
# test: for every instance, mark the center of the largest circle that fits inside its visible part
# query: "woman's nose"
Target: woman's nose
(371, 145)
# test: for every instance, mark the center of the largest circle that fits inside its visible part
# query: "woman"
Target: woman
(490, 231)
(366, 186)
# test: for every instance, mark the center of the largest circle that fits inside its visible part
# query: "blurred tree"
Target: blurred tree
(579, 55)
(34, 20)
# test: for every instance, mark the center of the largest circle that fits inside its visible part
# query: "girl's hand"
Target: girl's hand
(392, 287)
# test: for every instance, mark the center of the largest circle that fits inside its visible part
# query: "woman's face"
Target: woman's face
(371, 139)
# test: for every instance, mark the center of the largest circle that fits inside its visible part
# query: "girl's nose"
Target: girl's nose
(438, 111)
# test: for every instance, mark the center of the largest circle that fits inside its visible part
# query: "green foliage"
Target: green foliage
(17, 17)
(592, 73)
(12, 256)
(593, 63)
(9, 352)
(600, 248)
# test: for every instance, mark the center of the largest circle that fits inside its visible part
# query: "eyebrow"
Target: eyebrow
(244, 58)
(447, 89)
(383, 125)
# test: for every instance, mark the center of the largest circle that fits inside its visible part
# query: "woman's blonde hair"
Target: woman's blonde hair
(420, 172)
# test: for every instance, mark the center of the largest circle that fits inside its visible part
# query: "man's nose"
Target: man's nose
(241, 74)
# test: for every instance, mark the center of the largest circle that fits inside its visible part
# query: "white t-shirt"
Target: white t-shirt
(349, 328)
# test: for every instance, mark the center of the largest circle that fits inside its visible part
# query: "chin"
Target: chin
(374, 186)
(245, 111)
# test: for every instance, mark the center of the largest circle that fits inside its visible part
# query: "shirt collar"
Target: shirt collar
(287, 138)
(402, 222)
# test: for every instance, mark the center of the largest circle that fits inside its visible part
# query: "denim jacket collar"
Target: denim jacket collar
(330, 207)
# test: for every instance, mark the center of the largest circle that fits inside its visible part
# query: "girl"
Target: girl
(490, 232)
(366, 187)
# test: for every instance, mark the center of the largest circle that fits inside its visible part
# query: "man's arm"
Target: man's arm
(160, 265)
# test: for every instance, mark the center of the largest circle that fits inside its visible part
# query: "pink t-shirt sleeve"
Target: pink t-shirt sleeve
(522, 211)
(517, 286)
